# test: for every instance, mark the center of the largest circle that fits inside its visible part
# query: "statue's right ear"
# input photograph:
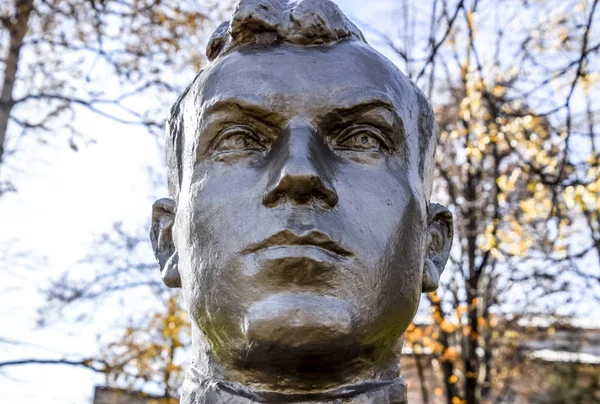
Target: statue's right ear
(161, 236)
(439, 242)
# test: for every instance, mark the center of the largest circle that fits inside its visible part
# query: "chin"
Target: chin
(299, 332)
(294, 319)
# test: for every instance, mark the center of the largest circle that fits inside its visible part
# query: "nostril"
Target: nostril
(301, 190)
(298, 174)
(272, 198)
(326, 200)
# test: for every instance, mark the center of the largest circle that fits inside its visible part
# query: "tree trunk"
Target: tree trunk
(446, 364)
(472, 340)
(17, 28)
(421, 373)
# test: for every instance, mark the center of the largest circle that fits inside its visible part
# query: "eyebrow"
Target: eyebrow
(366, 105)
(250, 105)
(366, 102)
(254, 106)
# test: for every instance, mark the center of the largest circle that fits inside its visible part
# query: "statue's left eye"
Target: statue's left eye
(361, 139)
(238, 139)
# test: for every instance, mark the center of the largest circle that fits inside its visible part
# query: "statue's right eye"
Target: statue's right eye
(238, 138)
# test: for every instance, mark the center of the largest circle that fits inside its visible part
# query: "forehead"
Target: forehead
(307, 79)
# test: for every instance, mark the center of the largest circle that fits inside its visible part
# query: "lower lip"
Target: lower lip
(299, 251)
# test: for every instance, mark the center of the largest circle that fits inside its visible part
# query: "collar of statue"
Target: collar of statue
(198, 390)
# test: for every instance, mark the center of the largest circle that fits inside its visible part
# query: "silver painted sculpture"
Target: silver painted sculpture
(299, 227)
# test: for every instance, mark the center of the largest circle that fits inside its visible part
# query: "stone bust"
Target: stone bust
(300, 166)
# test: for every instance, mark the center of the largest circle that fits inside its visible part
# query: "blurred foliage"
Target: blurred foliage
(150, 353)
(515, 86)
(61, 57)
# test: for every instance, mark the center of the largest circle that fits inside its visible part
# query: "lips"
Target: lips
(288, 238)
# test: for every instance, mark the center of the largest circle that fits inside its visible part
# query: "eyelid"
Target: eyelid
(231, 130)
(356, 129)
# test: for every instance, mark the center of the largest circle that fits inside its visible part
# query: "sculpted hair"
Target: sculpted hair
(302, 22)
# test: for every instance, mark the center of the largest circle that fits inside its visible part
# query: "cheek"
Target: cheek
(387, 213)
(223, 199)
(382, 204)
(406, 253)
(192, 238)
(218, 208)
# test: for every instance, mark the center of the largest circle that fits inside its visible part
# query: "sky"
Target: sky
(64, 200)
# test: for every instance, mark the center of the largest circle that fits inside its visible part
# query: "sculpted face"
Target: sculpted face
(302, 224)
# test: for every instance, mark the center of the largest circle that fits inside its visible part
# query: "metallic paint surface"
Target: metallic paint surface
(302, 235)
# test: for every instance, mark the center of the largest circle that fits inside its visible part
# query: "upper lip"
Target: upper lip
(288, 238)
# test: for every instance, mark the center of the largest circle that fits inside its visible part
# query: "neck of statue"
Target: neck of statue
(208, 381)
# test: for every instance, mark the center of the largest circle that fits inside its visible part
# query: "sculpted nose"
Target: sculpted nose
(300, 170)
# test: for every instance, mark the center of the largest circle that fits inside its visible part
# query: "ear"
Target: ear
(439, 241)
(161, 236)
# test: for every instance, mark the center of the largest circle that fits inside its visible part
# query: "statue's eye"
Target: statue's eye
(361, 139)
(238, 138)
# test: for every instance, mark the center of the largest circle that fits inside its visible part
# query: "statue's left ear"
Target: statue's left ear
(161, 236)
(439, 241)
